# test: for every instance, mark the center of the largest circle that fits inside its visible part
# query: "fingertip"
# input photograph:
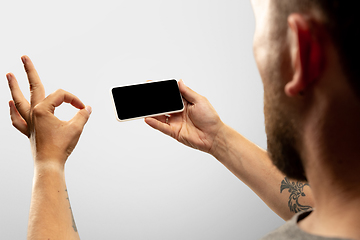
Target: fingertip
(148, 120)
(82, 116)
(188, 94)
(24, 58)
(152, 122)
(88, 109)
(181, 85)
(8, 76)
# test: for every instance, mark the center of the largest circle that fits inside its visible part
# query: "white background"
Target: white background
(126, 180)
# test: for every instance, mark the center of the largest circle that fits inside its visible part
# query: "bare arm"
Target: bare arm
(200, 127)
(50, 211)
(52, 141)
(252, 165)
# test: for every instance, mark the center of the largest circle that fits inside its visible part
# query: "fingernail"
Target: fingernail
(88, 108)
(23, 59)
(8, 76)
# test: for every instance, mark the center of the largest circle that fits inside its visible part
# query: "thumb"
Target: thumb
(82, 116)
(189, 94)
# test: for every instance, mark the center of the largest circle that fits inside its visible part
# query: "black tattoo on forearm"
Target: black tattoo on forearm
(72, 216)
(296, 190)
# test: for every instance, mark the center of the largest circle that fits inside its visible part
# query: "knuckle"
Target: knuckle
(82, 114)
(76, 128)
(38, 110)
(204, 99)
(18, 104)
(33, 86)
(59, 91)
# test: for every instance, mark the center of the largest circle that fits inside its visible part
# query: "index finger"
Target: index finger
(37, 92)
(58, 97)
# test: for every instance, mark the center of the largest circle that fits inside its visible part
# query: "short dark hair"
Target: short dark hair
(343, 24)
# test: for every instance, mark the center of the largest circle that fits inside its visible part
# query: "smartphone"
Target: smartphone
(147, 100)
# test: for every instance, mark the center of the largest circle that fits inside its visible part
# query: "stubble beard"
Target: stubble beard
(282, 129)
(281, 142)
(281, 125)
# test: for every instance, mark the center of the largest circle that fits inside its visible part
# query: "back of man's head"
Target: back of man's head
(342, 23)
(306, 52)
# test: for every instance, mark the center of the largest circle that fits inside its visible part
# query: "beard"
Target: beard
(281, 116)
(282, 138)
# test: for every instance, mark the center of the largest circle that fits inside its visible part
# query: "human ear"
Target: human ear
(306, 57)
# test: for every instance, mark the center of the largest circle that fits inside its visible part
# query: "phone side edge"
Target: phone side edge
(114, 106)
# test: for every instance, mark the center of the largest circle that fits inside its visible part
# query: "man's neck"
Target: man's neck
(341, 220)
(335, 185)
(331, 153)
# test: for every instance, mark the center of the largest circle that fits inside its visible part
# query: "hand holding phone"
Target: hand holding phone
(147, 100)
(197, 126)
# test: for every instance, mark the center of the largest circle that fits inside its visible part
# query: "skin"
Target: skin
(314, 91)
(52, 141)
(309, 86)
(303, 79)
(200, 127)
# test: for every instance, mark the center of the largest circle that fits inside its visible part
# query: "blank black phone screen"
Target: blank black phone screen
(152, 98)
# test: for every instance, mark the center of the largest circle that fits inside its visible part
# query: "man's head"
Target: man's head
(341, 22)
(290, 41)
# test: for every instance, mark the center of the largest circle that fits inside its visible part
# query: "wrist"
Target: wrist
(48, 165)
(219, 146)
(47, 158)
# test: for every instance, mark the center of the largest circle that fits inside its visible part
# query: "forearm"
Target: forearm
(52, 141)
(252, 165)
(50, 211)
